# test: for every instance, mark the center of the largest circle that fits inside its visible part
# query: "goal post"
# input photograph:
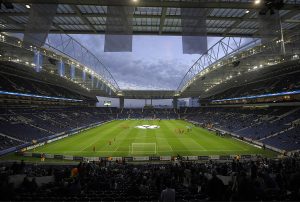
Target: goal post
(143, 148)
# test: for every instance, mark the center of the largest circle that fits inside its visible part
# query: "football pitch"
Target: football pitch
(123, 138)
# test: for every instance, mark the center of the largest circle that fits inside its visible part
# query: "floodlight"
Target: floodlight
(257, 2)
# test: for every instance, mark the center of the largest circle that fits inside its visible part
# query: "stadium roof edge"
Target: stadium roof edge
(138, 33)
(149, 94)
(153, 17)
(158, 3)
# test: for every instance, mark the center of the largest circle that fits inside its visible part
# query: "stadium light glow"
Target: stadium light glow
(256, 2)
(247, 11)
(260, 96)
(37, 96)
(295, 57)
(27, 6)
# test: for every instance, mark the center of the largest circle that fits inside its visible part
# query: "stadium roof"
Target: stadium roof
(208, 76)
(151, 17)
(148, 94)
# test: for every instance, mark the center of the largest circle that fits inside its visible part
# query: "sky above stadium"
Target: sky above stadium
(156, 62)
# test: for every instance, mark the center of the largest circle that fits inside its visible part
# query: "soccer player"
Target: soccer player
(94, 148)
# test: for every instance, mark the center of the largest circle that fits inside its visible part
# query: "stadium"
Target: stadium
(150, 100)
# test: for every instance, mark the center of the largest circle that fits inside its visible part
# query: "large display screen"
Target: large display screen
(107, 103)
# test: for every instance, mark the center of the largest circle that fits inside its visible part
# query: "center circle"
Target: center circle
(147, 127)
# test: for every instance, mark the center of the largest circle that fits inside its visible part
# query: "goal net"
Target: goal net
(143, 148)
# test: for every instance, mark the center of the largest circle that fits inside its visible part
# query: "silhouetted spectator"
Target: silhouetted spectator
(215, 189)
(168, 194)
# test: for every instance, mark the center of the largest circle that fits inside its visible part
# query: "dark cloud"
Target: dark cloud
(138, 74)
(148, 66)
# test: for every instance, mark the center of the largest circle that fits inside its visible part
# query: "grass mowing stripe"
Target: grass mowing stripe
(177, 143)
(109, 136)
(199, 141)
(124, 142)
(191, 136)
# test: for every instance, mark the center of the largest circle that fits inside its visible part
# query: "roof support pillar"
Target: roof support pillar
(175, 102)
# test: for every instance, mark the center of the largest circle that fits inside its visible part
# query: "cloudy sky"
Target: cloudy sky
(156, 62)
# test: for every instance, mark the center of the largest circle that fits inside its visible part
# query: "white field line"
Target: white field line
(106, 151)
(106, 148)
(88, 145)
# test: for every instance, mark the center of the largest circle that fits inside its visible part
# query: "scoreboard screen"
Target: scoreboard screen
(107, 103)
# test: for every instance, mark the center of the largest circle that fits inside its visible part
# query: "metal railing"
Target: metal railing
(62, 45)
(69, 46)
(231, 49)
(224, 48)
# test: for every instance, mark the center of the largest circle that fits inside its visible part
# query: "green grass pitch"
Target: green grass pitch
(168, 141)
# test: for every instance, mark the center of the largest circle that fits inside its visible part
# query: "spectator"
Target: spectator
(168, 194)
(216, 188)
(275, 180)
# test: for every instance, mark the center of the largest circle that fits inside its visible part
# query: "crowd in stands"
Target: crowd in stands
(13, 83)
(150, 113)
(256, 180)
(272, 126)
(34, 123)
(6, 142)
(27, 124)
(288, 140)
(282, 83)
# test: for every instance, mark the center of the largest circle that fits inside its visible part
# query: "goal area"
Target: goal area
(143, 148)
